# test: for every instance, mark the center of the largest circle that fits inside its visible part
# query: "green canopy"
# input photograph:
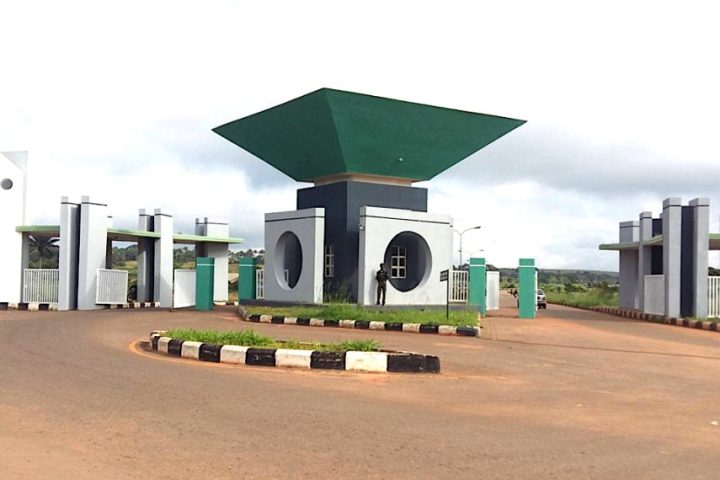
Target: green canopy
(332, 132)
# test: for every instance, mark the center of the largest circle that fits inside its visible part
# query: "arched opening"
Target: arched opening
(289, 253)
(408, 260)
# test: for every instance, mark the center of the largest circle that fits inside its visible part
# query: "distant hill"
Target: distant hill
(583, 277)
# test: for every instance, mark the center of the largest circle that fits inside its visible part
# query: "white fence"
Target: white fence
(40, 285)
(260, 283)
(459, 286)
(655, 294)
(112, 287)
(713, 297)
(184, 288)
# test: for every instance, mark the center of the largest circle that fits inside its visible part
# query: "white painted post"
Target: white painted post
(68, 258)
(92, 253)
(163, 271)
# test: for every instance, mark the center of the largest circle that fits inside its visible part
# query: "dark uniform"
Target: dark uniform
(382, 277)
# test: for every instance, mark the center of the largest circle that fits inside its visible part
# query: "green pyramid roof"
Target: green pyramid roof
(332, 132)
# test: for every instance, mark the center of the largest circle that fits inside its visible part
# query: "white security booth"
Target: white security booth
(294, 255)
(414, 246)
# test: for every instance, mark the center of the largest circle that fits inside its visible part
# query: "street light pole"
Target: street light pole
(477, 227)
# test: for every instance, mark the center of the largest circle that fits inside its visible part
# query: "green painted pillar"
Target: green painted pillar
(247, 278)
(477, 284)
(527, 288)
(204, 283)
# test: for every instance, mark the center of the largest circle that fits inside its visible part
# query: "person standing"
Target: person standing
(382, 277)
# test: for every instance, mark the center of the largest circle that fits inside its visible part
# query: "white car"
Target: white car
(541, 300)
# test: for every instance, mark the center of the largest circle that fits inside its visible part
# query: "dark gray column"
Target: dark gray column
(108, 254)
(145, 259)
(68, 255)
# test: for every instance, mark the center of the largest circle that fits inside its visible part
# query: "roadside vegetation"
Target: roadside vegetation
(250, 338)
(347, 311)
(583, 296)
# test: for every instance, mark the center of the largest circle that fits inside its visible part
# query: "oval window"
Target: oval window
(289, 258)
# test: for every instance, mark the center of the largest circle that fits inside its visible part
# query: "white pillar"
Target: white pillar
(215, 227)
(13, 167)
(145, 256)
(644, 255)
(163, 270)
(629, 232)
(92, 253)
(68, 258)
(701, 240)
(672, 240)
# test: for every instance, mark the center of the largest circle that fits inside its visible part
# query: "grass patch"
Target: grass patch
(250, 338)
(345, 311)
(594, 297)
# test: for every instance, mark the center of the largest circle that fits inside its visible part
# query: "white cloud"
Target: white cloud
(117, 100)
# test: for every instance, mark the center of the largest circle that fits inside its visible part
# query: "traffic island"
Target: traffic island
(466, 331)
(324, 357)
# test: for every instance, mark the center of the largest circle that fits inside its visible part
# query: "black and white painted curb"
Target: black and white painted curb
(136, 305)
(711, 325)
(364, 325)
(226, 304)
(309, 359)
(33, 307)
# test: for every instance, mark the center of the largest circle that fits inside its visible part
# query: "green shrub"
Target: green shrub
(250, 338)
(346, 311)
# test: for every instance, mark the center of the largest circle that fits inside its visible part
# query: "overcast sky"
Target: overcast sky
(117, 100)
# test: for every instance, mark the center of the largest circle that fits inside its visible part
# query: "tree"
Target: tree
(43, 247)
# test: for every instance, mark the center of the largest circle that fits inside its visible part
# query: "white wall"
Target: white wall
(12, 214)
(309, 227)
(378, 226)
(655, 294)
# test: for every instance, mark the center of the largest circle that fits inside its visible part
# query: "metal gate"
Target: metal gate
(112, 287)
(714, 297)
(459, 286)
(40, 285)
(184, 288)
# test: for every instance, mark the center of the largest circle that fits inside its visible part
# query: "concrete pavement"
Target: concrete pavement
(571, 394)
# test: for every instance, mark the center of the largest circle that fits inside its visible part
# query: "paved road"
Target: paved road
(573, 394)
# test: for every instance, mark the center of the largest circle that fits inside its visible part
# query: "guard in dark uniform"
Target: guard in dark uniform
(382, 277)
